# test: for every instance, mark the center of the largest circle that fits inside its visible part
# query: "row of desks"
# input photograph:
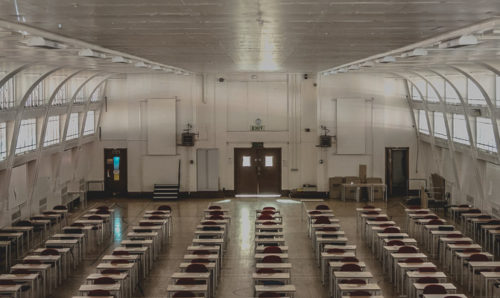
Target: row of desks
(207, 249)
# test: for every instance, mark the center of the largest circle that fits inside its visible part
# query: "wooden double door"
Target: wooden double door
(257, 170)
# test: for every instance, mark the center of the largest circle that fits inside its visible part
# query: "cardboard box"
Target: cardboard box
(378, 191)
(350, 192)
(362, 173)
(335, 184)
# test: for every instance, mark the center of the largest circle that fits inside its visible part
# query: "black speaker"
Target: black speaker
(325, 141)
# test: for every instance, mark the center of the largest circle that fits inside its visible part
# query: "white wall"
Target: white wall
(223, 112)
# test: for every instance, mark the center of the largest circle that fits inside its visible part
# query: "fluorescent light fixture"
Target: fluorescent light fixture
(342, 70)
(120, 59)
(326, 73)
(257, 196)
(353, 67)
(156, 67)
(418, 52)
(367, 64)
(186, 73)
(90, 53)
(141, 64)
(333, 72)
(387, 59)
(178, 72)
(168, 70)
(40, 42)
(462, 41)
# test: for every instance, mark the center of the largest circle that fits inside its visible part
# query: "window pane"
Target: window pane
(269, 161)
(52, 131)
(3, 141)
(61, 96)
(485, 135)
(36, 97)
(438, 83)
(246, 161)
(7, 95)
(89, 124)
(97, 95)
(451, 95)
(439, 125)
(460, 134)
(414, 93)
(26, 140)
(72, 132)
(80, 97)
(423, 127)
(474, 95)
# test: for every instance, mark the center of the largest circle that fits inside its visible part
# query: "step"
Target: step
(165, 197)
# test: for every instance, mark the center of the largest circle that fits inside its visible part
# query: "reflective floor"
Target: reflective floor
(236, 278)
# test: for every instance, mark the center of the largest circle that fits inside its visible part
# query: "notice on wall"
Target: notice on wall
(351, 126)
(161, 126)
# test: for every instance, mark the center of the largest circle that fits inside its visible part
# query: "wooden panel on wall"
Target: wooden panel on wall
(351, 126)
(161, 126)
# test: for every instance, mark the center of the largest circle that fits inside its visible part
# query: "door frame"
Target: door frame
(123, 174)
(235, 172)
(388, 167)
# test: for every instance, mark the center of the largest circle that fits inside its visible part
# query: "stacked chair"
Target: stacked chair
(199, 273)
(119, 273)
(272, 266)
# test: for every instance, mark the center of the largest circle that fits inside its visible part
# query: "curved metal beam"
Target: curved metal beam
(71, 103)
(13, 73)
(491, 107)
(87, 105)
(35, 84)
(445, 112)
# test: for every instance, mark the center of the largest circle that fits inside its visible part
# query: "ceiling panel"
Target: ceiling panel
(249, 35)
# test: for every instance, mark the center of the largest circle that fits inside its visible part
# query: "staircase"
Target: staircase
(166, 192)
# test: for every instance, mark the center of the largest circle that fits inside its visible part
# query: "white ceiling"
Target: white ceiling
(249, 35)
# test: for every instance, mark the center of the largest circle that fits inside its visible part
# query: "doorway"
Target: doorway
(397, 171)
(115, 171)
(257, 171)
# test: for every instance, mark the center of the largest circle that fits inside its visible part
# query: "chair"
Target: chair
(269, 208)
(350, 268)
(102, 207)
(435, 222)
(183, 294)
(77, 224)
(395, 243)
(99, 293)
(267, 271)
(216, 217)
(391, 230)
(385, 225)
(60, 207)
(431, 217)
(412, 261)
(49, 252)
(454, 235)
(269, 223)
(353, 281)
(269, 295)
(434, 289)
(23, 223)
(328, 229)
(164, 208)
(147, 224)
(21, 271)
(349, 260)
(271, 259)
(474, 211)
(214, 207)
(427, 280)
(208, 223)
(272, 250)
(189, 281)
(196, 268)
(102, 211)
(322, 220)
(427, 269)
(201, 252)
(33, 262)
(265, 217)
(407, 250)
(371, 213)
(269, 212)
(335, 251)
(95, 217)
(214, 228)
(200, 261)
(381, 218)
(368, 207)
(422, 212)
(104, 281)
(314, 212)
(120, 253)
(322, 207)
(216, 212)
(360, 294)
(471, 250)
(154, 217)
(114, 262)
(111, 271)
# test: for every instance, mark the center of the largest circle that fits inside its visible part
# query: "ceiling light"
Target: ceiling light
(168, 70)
(186, 73)
(342, 70)
(178, 72)
(326, 73)
(353, 67)
(141, 64)
(387, 59)
(333, 72)
(157, 67)
(367, 64)
(40, 42)
(91, 53)
(418, 52)
(462, 41)
(120, 59)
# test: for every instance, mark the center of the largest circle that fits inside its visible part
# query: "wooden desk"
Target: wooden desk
(196, 289)
(32, 280)
(288, 290)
